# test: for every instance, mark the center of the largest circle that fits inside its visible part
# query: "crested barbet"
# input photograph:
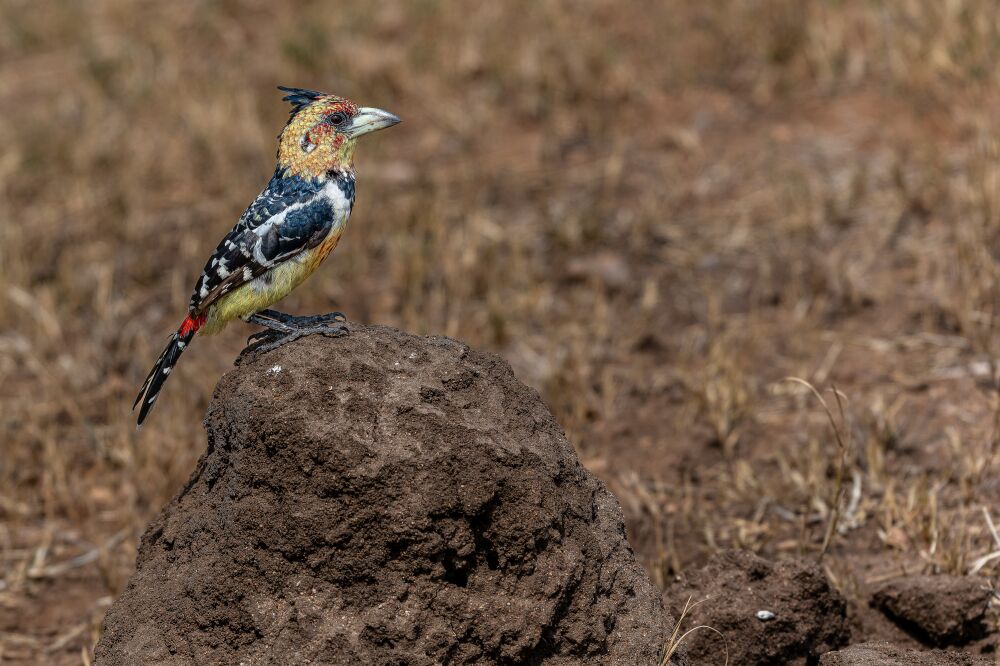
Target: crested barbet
(283, 236)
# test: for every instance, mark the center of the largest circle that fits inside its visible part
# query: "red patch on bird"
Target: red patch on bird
(191, 325)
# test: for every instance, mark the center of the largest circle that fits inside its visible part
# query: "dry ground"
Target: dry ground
(657, 210)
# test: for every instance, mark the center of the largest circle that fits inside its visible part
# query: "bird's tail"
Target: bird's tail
(161, 369)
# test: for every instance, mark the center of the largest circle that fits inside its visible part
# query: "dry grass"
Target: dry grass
(655, 210)
(677, 638)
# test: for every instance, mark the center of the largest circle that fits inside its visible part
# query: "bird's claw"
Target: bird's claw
(282, 328)
(336, 331)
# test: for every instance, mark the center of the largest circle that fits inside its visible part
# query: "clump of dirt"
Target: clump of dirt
(385, 499)
(937, 610)
(887, 654)
(769, 613)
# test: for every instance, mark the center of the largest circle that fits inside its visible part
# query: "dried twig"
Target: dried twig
(850, 522)
(54, 570)
(981, 562)
(993, 528)
(66, 638)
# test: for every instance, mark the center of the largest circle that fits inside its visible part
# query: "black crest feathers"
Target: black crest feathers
(299, 97)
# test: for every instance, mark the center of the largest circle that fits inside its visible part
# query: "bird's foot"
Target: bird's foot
(277, 320)
(281, 328)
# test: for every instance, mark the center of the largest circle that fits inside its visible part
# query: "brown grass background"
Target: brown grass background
(656, 210)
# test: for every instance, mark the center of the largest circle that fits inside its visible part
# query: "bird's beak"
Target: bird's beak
(369, 119)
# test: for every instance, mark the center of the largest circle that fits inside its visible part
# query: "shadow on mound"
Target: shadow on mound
(385, 498)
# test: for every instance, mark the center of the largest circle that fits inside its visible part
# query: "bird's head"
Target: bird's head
(322, 132)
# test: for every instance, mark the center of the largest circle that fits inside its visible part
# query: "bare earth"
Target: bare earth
(657, 212)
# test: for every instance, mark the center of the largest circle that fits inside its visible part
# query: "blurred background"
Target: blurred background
(656, 210)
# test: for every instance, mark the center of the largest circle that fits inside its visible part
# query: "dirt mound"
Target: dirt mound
(938, 610)
(886, 654)
(770, 613)
(385, 499)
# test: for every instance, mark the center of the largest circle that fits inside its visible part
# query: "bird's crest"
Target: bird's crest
(300, 97)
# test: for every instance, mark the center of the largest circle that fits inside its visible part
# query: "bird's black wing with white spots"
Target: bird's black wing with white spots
(289, 216)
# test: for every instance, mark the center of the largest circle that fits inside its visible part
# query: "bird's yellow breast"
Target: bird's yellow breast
(269, 288)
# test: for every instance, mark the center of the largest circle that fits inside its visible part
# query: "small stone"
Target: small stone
(765, 615)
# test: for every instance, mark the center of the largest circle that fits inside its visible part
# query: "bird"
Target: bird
(282, 236)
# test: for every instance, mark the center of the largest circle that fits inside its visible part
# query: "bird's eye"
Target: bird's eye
(338, 118)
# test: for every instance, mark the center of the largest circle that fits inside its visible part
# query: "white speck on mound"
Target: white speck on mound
(274, 370)
(765, 615)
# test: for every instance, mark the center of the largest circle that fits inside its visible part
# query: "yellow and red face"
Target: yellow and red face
(323, 131)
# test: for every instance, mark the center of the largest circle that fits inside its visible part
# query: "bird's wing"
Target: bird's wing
(283, 220)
